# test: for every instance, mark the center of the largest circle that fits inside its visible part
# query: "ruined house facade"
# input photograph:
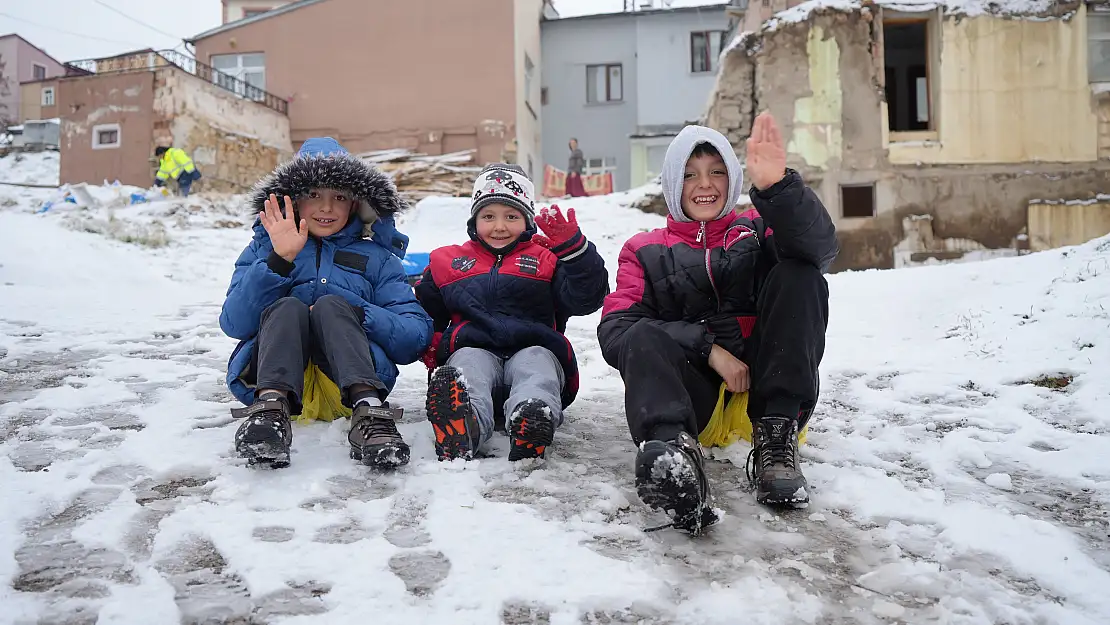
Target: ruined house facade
(113, 118)
(891, 116)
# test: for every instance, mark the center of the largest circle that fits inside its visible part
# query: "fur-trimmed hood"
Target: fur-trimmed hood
(322, 163)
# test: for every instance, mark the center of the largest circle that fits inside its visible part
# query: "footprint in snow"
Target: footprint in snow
(406, 521)
(422, 571)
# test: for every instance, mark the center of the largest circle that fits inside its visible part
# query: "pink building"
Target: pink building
(20, 62)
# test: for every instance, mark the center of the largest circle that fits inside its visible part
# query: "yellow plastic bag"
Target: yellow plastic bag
(730, 423)
(322, 399)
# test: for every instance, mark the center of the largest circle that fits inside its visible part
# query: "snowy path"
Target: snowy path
(946, 487)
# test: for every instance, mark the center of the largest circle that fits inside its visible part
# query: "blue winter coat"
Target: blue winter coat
(366, 272)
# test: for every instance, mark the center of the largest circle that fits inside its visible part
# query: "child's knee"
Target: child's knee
(288, 306)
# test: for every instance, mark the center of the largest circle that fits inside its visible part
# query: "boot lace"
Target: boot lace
(770, 451)
(372, 428)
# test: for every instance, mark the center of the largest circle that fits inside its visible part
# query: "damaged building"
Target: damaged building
(120, 109)
(933, 129)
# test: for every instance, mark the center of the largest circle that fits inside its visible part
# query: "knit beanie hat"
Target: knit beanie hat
(502, 183)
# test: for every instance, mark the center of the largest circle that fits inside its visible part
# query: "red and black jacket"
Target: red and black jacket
(518, 297)
(700, 281)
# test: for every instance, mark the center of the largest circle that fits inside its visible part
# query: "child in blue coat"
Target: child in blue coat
(322, 281)
(501, 302)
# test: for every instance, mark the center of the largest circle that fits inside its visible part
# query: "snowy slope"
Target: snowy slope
(946, 487)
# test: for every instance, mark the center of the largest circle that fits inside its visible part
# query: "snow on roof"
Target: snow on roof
(580, 8)
(968, 8)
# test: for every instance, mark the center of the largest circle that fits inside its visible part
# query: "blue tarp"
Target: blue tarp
(414, 264)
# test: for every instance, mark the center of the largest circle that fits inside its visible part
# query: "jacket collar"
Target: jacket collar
(692, 232)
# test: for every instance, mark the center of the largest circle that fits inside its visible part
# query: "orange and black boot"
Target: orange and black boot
(531, 430)
(452, 416)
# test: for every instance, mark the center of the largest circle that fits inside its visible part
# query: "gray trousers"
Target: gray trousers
(331, 335)
(531, 373)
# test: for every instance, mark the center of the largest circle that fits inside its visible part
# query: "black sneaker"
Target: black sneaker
(452, 416)
(530, 430)
(670, 476)
(374, 439)
(266, 434)
(773, 463)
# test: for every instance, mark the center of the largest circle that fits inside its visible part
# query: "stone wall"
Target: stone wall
(233, 141)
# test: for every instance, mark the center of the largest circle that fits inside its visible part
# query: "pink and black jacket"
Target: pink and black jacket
(700, 281)
(513, 298)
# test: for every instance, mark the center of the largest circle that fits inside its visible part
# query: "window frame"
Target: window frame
(931, 20)
(1092, 38)
(607, 67)
(35, 67)
(710, 60)
(860, 185)
(239, 73)
(608, 166)
(53, 97)
(96, 130)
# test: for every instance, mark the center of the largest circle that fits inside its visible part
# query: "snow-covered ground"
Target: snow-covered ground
(958, 458)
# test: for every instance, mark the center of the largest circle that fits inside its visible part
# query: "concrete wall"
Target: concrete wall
(602, 129)
(31, 107)
(421, 74)
(90, 101)
(823, 84)
(17, 65)
(1053, 225)
(667, 91)
(527, 14)
(233, 141)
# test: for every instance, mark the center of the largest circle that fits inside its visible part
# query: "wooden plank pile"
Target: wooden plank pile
(418, 176)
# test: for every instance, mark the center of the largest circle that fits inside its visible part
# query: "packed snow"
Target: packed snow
(957, 459)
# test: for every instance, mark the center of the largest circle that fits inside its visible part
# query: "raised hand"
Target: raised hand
(288, 240)
(766, 163)
(559, 230)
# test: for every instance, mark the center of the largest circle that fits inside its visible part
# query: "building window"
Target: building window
(252, 12)
(48, 96)
(39, 71)
(857, 200)
(1098, 45)
(105, 136)
(604, 83)
(529, 74)
(543, 96)
(908, 54)
(249, 69)
(705, 50)
(595, 166)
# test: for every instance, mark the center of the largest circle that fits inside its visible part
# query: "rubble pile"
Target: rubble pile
(418, 176)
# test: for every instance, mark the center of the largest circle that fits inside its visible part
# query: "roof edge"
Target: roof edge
(247, 21)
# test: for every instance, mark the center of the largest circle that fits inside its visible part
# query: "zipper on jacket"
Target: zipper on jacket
(704, 240)
(493, 277)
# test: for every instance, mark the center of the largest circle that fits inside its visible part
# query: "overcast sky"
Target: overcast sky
(70, 30)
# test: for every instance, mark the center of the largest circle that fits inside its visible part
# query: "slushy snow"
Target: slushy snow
(123, 501)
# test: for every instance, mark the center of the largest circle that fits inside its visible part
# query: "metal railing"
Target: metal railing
(151, 60)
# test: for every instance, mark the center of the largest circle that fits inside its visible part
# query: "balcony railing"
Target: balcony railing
(149, 61)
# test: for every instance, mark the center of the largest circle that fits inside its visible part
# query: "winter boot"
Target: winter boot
(374, 439)
(530, 430)
(266, 434)
(670, 476)
(773, 463)
(452, 416)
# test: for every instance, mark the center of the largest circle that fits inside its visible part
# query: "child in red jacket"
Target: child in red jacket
(500, 304)
(719, 296)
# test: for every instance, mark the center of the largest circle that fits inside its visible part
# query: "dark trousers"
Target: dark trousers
(665, 393)
(185, 181)
(331, 335)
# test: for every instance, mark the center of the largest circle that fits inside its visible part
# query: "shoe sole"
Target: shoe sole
(384, 457)
(680, 499)
(776, 499)
(530, 433)
(270, 455)
(451, 415)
